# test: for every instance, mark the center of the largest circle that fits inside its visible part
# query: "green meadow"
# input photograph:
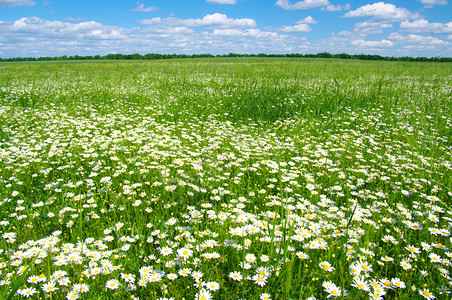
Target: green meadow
(246, 178)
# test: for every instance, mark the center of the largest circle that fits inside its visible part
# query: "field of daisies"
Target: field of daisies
(226, 179)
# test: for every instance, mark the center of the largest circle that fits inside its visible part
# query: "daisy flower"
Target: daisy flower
(236, 276)
(27, 292)
(112, 284)
(265, 296)
(184, 252)
(212, 286)
(260, 280)
(326, 266)
(49, 287)
(361, 284)
(203, 295)
(427, 294)
(398, 283)
(72, 296)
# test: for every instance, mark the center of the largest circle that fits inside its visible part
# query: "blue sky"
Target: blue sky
(390, 28)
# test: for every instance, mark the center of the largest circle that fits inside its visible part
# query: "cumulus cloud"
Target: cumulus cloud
(425, 26)
(373, 44)
(305, 4)
(39, 37)
(300, 26)
(141, 8)
(381, 11)
(14, 3)
(295, 28)
(307, 20)
(416, 39)
(222, 1)
(215, 20)
(28, 27)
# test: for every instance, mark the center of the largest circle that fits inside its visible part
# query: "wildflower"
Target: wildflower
(386, 283)
(398, 283)
(72, 296)
(413, 249)
(264, 258)
(155, 277)
(212, 286)
(64, 281)
(387, 259)
(260, 280)
(184, 253)
(250, 258)
(361, 284)
(426, 246)
(263, 271)
(434, 258)
(364, 266)
(265, 296)
(427, 294)
(184, 272)
(375, 296)
(406, 265)
(112, 284)
(236, 276)
(444, 290)
(302, 255)
(27, 292)
(333, 290)
(49, 287)
(197, 275)
(203, 295)
(326, 266)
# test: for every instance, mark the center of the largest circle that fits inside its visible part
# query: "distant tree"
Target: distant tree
(324, 55)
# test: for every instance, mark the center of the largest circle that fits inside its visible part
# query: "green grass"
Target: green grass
(264, 167)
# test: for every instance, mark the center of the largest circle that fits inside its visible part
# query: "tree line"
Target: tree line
(155, 56)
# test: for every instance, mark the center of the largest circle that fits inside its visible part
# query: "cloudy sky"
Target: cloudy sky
(69, 27)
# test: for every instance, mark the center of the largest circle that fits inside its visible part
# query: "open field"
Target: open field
(226, 179)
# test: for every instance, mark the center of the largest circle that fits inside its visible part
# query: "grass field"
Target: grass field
(226, 179)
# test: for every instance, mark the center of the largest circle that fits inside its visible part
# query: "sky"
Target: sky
(33, 28)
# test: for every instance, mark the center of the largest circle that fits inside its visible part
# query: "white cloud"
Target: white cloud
(39, 37)
(219, 20)
(215, 20)
(382, 12)
(295, 28)
(30, 27)
(305, 4)
(244, 33)
(416, 39)
(430, 3)
(368, 24)
(425, 26)
(14, 3)
(373, 44)
(337, 7)
(300, 26)
(307, 20)
(141, 8)
(222, 1)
